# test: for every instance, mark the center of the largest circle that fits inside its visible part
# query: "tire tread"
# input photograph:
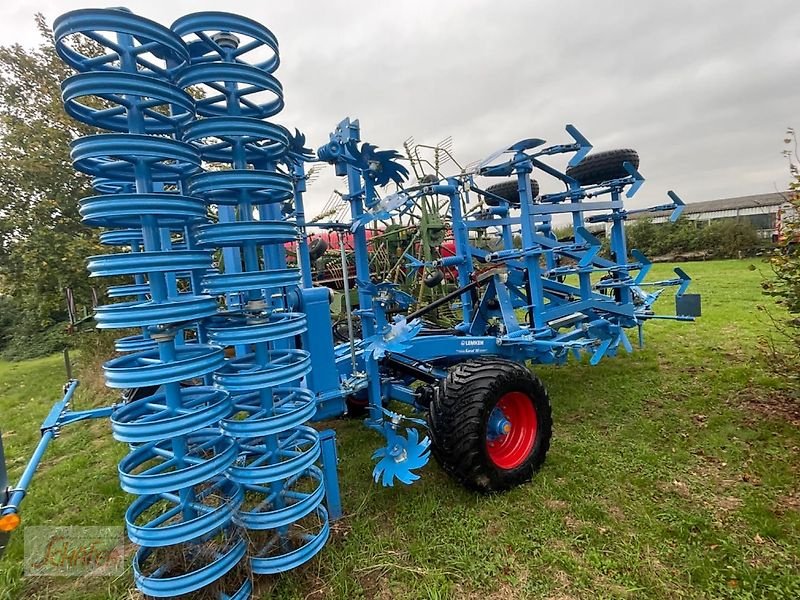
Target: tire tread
(599, 167)
(457, 422)
(509, 191)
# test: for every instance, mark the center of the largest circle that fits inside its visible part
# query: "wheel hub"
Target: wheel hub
(499, 425)
(511, 430)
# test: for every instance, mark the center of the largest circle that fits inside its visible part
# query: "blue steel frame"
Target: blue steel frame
(563, 318)
(534, 279)
(59, 416)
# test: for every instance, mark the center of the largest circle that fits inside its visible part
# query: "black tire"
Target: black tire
(459, 420)
(131, 394)
(509, 191)
(317, 248)
(615, 292)
(434, 279)
(357, 406)
(341, 333)
(603, 166)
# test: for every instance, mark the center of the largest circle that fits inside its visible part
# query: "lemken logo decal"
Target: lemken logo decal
(472, 343)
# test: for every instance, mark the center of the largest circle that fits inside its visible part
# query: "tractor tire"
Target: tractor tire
(603, 166)
(509, 191)
(491, 427)
(317, 248)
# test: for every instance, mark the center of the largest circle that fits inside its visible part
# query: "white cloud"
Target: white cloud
(703, 90)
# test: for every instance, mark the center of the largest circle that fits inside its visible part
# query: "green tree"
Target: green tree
(720, 239)
(785, 261)
(43, 245)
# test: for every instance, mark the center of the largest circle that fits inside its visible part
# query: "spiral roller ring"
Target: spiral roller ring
(183, 517)
(233, 59)
(131, 239)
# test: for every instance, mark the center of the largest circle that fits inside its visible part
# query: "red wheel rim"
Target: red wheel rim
(515, 423)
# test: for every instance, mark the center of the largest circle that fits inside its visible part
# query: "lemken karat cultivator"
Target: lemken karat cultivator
(233, 355)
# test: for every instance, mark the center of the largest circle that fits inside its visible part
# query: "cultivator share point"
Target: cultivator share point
(234, 353)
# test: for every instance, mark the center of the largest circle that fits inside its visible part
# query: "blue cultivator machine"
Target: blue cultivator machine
(232, 354)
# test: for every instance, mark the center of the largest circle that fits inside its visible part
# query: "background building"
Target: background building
(763, 211)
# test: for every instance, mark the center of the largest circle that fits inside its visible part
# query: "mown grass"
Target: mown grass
(673, 473)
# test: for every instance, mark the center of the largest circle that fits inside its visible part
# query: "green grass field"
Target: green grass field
(673, 473)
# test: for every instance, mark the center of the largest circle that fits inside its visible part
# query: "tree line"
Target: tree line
(43, 245)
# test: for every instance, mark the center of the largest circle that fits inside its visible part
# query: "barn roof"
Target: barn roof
(739, 202)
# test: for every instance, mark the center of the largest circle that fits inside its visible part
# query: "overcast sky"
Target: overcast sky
(704, 90)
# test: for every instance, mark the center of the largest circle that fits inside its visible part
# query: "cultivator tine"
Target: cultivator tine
(594, 247)
(584, 147)
(601, 350)
(685, 281)
(679, 206)
(528, 144)
(626, 343)
(412, 262)
(396, 338)
(638, 180)
(687, 306)
(645, 263)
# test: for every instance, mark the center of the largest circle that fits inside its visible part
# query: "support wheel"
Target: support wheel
(491, 428)
(316, 248)
(509, 191)
(599, 167)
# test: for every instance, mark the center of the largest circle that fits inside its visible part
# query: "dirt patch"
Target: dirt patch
(778, 404)
(788, 503)
(564, 587)
(616, 512)
(379, 579)
(708, 466)
(310, 576)
(507, 590)
(572, 523)
(375, 586)
(715, 499)
(675, 487)
(726, 504)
